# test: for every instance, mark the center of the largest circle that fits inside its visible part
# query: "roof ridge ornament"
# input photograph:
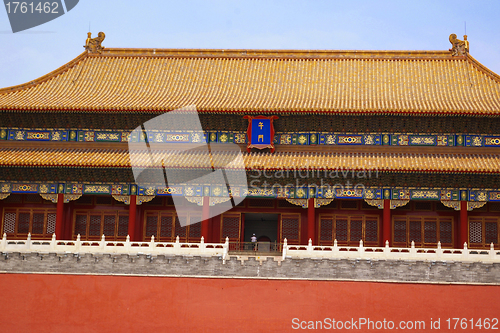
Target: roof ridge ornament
(460, 47)
(93, 45)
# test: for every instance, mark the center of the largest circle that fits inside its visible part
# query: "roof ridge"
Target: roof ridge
(250, 53)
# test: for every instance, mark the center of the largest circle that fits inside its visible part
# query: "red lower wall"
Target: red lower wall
(79, 303)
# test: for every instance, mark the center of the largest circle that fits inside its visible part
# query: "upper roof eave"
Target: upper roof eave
(430, 55)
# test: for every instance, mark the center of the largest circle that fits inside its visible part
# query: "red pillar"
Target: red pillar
(205, 219)
(311, 223)
(132, 217)
(386, 222)
(463, 224)
(60, 216)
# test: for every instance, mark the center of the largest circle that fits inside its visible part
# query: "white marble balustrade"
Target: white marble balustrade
(104, 247)
(390, 253)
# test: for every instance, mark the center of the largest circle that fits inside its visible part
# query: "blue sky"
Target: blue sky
(226, 24)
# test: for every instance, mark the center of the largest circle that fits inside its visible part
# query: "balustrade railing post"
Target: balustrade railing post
(310, 247)
(387, 249)
(203, 246)
(226, 250)
(28, 241)
(492, 251)
(361, 249)
(285, 248)
(335, 248)
(465, 252)
(102, 243)
(127, 244)
(78, 243)
(3, 244)
(152, 244)
(177, 245)
(413, 250)
(439, 251)
(53, 242)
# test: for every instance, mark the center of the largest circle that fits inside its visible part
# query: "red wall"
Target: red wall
(86, 303)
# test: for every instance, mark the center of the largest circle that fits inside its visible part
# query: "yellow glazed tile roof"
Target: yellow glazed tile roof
(118, 158)
(256, 81)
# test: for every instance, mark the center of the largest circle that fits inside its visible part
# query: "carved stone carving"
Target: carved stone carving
(4, 195)
(375, 203)
(459, 47)
(50, 197)
(475, 204)
(71, 197)
(452, 204)
(321, 202)
(398, 203)
(93, 45)
(298, 202)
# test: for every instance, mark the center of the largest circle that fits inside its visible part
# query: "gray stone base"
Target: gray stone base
(268, 268)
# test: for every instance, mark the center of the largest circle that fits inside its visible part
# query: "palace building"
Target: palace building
(377, 146)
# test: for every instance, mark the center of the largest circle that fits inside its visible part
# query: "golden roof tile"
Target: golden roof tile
(277, 81)
(119, 158)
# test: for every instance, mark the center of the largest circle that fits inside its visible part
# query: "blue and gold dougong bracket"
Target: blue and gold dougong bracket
(260, 132)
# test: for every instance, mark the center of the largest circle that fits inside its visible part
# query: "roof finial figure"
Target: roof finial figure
(460, 47)
(93, 45)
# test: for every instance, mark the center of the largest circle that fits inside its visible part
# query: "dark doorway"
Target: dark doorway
(263, 225)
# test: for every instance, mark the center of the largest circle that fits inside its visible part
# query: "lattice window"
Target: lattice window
(51, 223)
(166, 227)
(195, 230)
(38, 222)
(356, 232)
(108, 228)
(430, 232)
(123, 225)
(491, 232)
(261, 203)
(230, 227)
(476, 232)
(415, 231)
(9, 223)
(179, 231)
(371, 230)
(95, 225)
(151, 226)
(399, 231)
(23, 224)
(341, 229)
(326, 230)
(290, 228)
(81, 225)
(445, 232)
